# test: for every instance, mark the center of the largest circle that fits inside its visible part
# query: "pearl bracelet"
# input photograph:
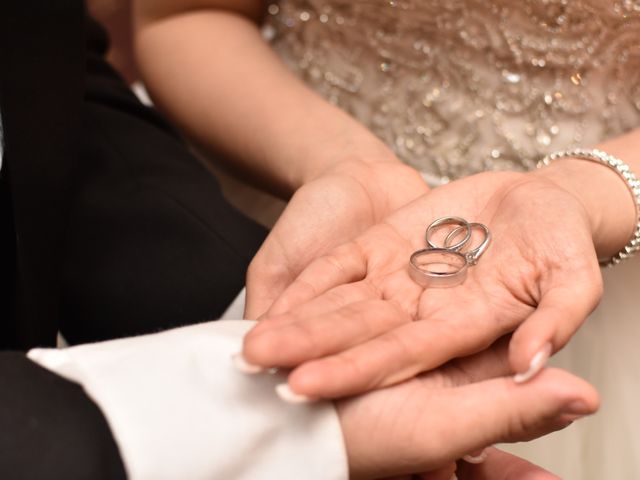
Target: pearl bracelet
(623, 170)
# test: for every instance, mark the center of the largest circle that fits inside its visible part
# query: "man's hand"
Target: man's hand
(436, 418)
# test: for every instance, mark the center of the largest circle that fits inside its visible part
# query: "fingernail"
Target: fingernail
(245, 367)
(537, 363)
(475, 459)
(577, 409)
(285, 393)
(454, 477)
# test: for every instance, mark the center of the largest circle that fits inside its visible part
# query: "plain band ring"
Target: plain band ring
(461, 222)
(474, 254)
(438, 267)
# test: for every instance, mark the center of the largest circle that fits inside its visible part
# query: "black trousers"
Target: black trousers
(152, 243)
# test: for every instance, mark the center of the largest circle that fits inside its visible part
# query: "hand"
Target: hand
(356, 320)
(498, 465)
(325, 212)
(436, 418)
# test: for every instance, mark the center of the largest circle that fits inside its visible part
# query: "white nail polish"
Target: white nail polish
(245, 367)
(477, 458)
(537, 363)
(285, 393)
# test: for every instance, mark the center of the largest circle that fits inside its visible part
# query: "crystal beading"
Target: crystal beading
(456, 87)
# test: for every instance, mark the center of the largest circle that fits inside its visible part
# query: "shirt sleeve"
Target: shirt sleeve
(178, 408)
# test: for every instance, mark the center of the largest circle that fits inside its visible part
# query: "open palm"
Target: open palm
(328, 211)
(354, 320)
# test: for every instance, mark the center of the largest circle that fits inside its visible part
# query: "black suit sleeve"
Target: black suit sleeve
(49, 428)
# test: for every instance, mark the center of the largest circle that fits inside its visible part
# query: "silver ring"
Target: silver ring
(461, 222)
(438, 267)
(474, 254)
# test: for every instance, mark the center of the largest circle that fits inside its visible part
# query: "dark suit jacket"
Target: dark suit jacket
(108, 227)
(41, 90)
(48, 427)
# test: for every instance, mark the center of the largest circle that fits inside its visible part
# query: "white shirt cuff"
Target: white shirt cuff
(178, 408)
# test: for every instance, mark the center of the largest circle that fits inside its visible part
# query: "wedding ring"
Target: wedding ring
(461, 224)
(473, 254)
(446, 265)
(438, 267)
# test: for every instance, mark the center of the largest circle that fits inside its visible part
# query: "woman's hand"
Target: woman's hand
(324, 213)
(354, 320)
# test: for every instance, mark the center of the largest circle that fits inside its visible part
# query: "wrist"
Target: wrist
(351, 149)
(359, 467)
(605, 196)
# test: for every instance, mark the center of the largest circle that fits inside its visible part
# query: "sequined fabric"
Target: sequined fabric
(461, 86)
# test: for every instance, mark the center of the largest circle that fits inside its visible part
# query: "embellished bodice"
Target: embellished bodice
(461, 86)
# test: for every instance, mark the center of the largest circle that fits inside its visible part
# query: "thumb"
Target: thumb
(500, 410)
(432, 426)
(560, 313)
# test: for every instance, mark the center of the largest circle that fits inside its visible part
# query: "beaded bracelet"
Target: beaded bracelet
(623, 170)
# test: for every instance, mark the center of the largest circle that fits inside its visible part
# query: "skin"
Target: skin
(352, 178)
(396, 430)
(347, 181)
(340, 178)
(324, 163)
(364, 323)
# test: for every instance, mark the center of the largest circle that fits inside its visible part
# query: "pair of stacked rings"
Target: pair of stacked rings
(445, 264)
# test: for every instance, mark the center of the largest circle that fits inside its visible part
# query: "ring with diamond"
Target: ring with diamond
(473, 254)
(446, 265)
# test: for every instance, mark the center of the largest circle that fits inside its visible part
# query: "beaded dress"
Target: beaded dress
(456, 87)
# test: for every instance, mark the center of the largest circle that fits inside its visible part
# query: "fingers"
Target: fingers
(434, 475)
(561, 311)
(467, 418)
(447, 472)
(500, 465)
(293, 342)
(334, 299)
(489, 363)
(380, 361)
(389, 358)
(500, 410)
(344, 264)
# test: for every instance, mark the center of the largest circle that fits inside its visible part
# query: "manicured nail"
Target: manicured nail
(576, 410)
(245, 367)
(475, 459)
(285, 393)
(537, 363)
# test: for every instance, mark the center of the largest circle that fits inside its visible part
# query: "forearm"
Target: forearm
(606, 197)
(213, 74)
